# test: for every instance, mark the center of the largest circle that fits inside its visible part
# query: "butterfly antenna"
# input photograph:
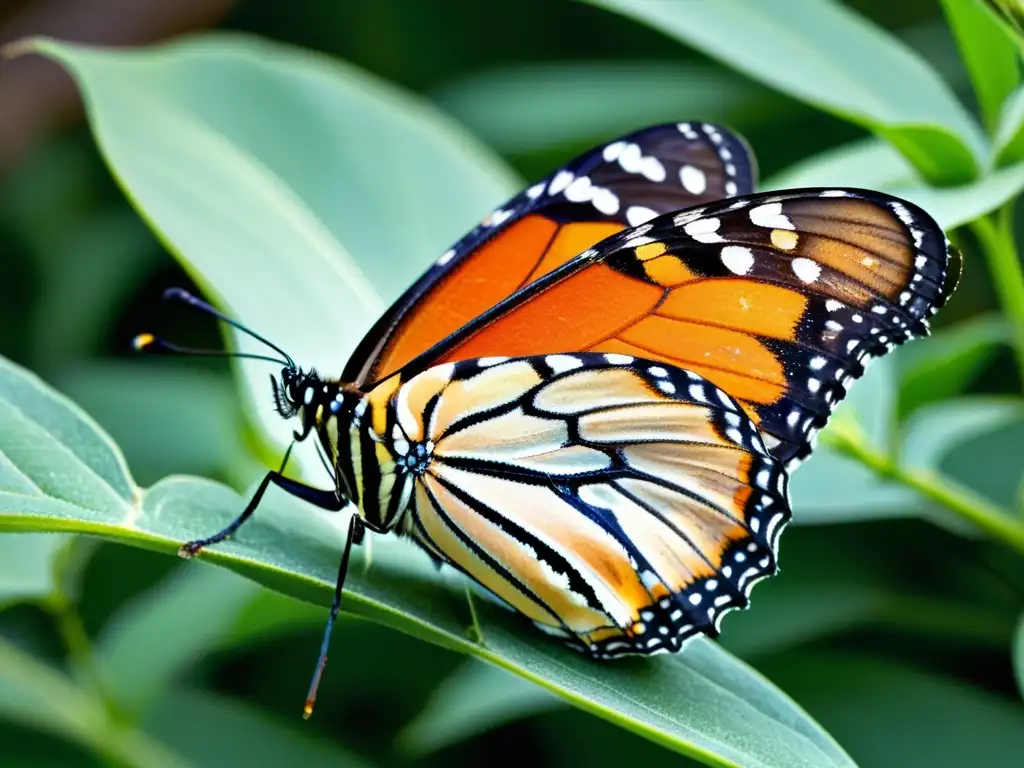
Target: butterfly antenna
(150, 343)
(147, 342)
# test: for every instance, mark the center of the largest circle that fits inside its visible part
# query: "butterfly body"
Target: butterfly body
(591, 404)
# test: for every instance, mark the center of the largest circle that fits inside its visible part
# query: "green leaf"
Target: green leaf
(1011, 16)
(39, 697)
(214, 731)
(1009, 140)
(839, 582)
(871, 402)
(796, 613)
(838, 489)
(703, 702)
(323, 186)
(833, 488)
(989, 53)
(533, 107)
(50, 449)
(475, 699)
(887, 713)
(195, 413)
(165, 631)
(100, 261)
(869, 164)
(824, 54)
(28, 568)
(270, 614)
(1018, 654)
(987, 459)
(952, 207)
(944, 364)
(933, 431)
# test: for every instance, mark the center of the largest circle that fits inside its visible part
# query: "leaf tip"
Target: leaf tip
(44, 45)
(16, 48)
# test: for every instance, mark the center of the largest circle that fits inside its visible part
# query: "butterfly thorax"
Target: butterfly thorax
(375, 462)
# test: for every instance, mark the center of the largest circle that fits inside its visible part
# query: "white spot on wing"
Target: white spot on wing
(639, 214)
(653, 170)
(806, 269)
(612, 151)
(561, 363)
(687, 130)
(737, 259)
(580, 190)
(770, 216)
(615, 359)
(562, 180)
(631, 159)
(498, 217)
(901, 211)
(606, 201)
(693, 179)
(487, 362)
(704, 230)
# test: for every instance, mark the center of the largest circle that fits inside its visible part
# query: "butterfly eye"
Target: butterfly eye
(284, 401)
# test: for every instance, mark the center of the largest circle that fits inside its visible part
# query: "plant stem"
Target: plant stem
(478, 634)
(39, 696)
(79, 649)
(983, 514)
(995, 235)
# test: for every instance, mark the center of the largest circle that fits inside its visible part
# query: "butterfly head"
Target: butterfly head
(307, 395)
(290, 390)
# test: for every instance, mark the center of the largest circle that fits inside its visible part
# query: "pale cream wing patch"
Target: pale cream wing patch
(623, 504)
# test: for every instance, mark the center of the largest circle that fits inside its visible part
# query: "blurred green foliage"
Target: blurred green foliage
(896, 620)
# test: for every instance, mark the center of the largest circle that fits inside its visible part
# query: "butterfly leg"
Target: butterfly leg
(356, 531)
(328, 500)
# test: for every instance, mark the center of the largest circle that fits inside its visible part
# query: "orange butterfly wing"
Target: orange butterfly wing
(779, 299)
(626, 182)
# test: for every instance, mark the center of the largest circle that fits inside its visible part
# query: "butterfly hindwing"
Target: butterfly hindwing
(623, 504)
(623, 183)
(779, 298)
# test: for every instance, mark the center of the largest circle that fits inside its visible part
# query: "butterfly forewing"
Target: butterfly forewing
(623, 504)
(623, 183)
(779, 299)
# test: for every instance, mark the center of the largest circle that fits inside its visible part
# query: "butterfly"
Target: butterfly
(592, 403)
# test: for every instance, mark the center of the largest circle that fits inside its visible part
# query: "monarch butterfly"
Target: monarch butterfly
(592, 403)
